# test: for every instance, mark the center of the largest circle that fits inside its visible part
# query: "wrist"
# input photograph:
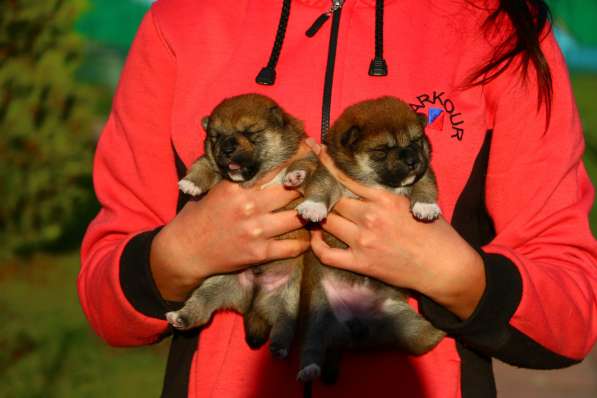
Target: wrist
(174, 275)
(459, 285)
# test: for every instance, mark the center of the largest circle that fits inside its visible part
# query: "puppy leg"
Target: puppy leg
(216, 292)
(300, 171)
(257, 329)
(410, 331)
(282, 334)
(285, 322)
(423, 198)
(200, 178)
(313, 349)
(322, 191)
(323, 332)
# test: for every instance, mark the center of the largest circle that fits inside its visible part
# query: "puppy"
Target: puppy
(382, 143)
(247, 136)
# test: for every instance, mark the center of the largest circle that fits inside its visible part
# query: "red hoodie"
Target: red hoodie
(515, 191)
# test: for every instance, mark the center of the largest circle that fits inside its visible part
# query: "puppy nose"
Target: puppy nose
(229, 145)
(410, 158)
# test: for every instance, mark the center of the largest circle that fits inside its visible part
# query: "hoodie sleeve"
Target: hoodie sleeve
(135, 183)
(539, 309)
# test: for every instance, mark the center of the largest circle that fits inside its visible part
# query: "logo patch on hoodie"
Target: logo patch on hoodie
(439, 108)
(435, 118)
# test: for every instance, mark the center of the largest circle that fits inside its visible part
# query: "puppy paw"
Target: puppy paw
(278, 351)
(425, 211)
(255, 342)
(189, 187)
(309, 373)
(312, 211)
(295, 178)
(177, 320)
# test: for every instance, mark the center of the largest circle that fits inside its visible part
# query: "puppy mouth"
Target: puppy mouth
(238, 172)
(396, 181)
(415, 175)
(409, 180)
(235, 171)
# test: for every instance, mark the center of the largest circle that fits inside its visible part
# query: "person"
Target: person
(508, 271)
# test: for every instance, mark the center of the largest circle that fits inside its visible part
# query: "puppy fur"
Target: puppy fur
(377, 142)
(247, 136)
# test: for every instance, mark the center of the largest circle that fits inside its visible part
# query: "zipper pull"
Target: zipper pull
(314, 28)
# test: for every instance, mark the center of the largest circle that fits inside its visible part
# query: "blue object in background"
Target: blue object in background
(578, 56)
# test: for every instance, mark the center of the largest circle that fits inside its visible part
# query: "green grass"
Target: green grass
(585, 91)
(47, 348)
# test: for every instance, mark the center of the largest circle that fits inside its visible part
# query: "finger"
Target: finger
(275, 197)
(370, 193)
(338, 258)
(351, 209)
(267, 178)
(315, 147)
(341, 228)
(287, 248)
(279, 223)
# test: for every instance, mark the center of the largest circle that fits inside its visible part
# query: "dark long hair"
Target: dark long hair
(530, 23)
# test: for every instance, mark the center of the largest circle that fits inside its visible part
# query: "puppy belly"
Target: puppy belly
(268, 281)
(351, 300)
(246, 278)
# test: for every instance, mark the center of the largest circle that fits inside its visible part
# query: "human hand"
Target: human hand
(386, 242)
(229, 229)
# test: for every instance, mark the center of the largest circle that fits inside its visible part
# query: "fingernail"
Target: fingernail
(311, 143)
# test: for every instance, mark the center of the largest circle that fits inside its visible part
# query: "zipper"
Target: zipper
(336, 5)
(335, 12)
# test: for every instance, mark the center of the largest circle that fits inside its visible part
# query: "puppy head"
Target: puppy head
(381, 142)
(249, 134)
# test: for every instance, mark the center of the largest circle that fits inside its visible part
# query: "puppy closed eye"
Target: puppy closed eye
(378, 153)
(417, 140)
(252, 136)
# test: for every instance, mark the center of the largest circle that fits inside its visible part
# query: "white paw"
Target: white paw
(295, 178)
(175, 320)
(309, 373)
(189, 187)
(312, 211)
(426, 211)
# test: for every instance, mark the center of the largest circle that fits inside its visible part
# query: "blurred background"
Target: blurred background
(59, 65)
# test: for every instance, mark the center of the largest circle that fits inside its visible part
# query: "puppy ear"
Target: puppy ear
(350, 136)
(422, 118)
(205, 122)
(277, 116)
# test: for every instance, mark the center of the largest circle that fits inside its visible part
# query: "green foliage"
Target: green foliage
(109, 27)
(585, 87)
(112, 23)
(48, 350)
(578, 18)
(46, 120)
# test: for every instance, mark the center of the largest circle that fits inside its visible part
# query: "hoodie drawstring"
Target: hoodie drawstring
(267, 75)
(378, 66)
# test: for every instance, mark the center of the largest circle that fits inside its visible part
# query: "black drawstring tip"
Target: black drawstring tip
(378, 67)
(267, 76)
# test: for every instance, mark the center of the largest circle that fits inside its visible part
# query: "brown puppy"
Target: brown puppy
(377, 142)
(247, 136)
